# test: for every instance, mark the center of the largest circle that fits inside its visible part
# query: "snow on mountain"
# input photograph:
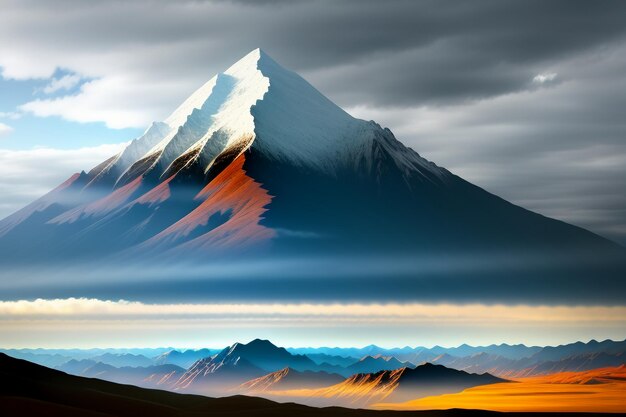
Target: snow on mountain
(215, 120)
(258, 103)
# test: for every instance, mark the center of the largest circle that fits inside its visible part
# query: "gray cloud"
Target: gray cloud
(452, 79)
(558, 150)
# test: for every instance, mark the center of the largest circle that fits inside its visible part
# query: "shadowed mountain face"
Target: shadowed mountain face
(258, 160)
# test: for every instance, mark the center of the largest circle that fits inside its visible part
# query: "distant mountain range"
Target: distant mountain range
(370, 364)
(422, 354)
(264, 357)
(154, 376)
(184, 358)
(329, 376)
(31, 389)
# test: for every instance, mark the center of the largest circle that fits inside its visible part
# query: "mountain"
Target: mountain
(418, 354)
(573, 357)
(575, 363)
(352, 352)
(122, 359)
(555, 353)
(257, 158)
(288, 379)
(212, 377)
(362, 390)
(42, 357)
(481, 362)
(505, 350)
(106, 361)
(185, 358)
(323, 358)
(601, 391)
(162, 376)
(237, 364)
(372, 364)
(265, 355)
(76, 366)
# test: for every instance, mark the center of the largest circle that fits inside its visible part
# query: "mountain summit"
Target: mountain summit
(254, 103)
(258, 159)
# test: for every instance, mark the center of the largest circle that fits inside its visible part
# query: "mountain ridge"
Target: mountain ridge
(398, 385)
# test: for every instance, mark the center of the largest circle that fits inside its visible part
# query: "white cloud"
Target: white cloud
(545, 77)
(105, 100)
(5, 129)
(83, 322)
(27, 175)
(139, 72)
(95, 309)
(66, 82)
(10, 115)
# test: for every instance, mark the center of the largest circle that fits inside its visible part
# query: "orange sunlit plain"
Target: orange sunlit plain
(599, 390)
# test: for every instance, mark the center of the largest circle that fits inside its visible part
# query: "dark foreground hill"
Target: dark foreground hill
(27, 389)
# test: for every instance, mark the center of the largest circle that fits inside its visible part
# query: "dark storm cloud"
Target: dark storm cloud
(419, 52)
(431, 51)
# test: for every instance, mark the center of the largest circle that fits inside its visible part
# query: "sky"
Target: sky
(523, 98)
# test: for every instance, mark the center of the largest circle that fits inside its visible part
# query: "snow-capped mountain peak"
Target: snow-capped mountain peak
(258, 103)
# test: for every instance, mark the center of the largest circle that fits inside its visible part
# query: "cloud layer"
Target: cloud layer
(91, 308)
(53, 322)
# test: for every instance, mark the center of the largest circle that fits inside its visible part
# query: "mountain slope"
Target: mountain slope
(287, 379)
(237, 364)
(363, 390)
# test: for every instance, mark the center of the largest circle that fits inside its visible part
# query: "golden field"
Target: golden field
(599, 390)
